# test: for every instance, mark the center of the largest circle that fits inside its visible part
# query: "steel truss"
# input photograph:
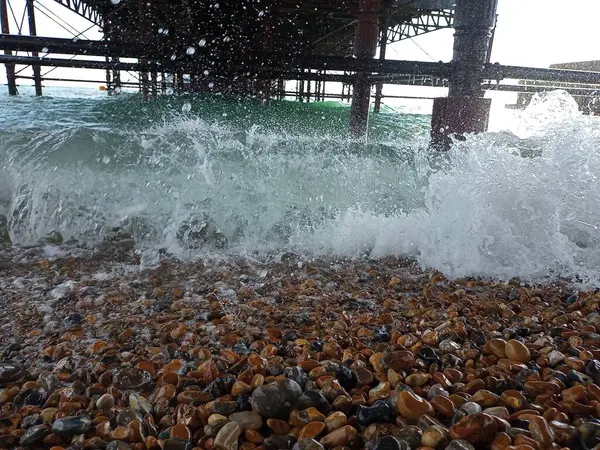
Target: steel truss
(424, 23)
(83, 9)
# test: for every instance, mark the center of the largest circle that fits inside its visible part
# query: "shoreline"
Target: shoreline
(392, 350)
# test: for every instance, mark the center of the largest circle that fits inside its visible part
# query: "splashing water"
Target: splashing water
(519, 203)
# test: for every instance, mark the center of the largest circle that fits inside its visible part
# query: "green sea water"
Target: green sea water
(196, 176)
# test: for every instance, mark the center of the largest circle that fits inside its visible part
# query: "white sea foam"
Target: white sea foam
(522, 201)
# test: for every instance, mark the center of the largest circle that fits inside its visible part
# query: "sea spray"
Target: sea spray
(521, 202)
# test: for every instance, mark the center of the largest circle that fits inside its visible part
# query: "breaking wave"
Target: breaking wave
(522, 202)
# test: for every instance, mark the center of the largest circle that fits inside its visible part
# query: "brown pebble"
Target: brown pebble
(517, 351)
(278, 426)
(443, 405)
(513, 399)
(541, 431)
(411, 406)
(335, 420)
(341, 436)
(311, 430)
(501, 441)
(479, 428)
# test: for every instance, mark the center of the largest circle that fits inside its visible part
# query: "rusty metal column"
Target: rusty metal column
(10, 68)
(465, 110)
(154, 80)
(382, 51)
(365, 46)
(37, 71)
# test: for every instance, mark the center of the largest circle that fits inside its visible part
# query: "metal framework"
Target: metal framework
(424, 23)
(83, 9)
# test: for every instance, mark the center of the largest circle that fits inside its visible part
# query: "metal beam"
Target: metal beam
(81, 8)
(10, 68)
(37, 76)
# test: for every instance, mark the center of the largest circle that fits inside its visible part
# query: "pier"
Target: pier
(264, 48)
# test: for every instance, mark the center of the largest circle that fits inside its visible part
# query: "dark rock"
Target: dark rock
(176, 444)
(118, 445)
(390, 443)
(277, 399)
(593, 370)
(34, 434)
(133, 379)
(465, 410)
(412, 435)
(279, 442)
(224, 408)
(307, 444)
(521, 378)
(4, 231)
(30, 421)
(10, 372)
(297, 374)
(590, 434)
(243, 403)
(126, 415)
(345, 376)
(379, 412)
(54, 237)
(31, 397)
(578, 377)
(313, 399)
(450, 360)
(429, 355)
(221, 386)
(72, 425)
(459, 444)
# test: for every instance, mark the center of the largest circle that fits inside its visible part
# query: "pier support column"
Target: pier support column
(365, 46)
(465, 110)
(382, 51)
(10, 68)
(37, 75)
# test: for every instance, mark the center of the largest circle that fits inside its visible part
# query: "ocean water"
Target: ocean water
(198, 177)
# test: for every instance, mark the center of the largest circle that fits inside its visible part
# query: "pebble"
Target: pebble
(380, 411)
(179, 358)
(276, 400)
(248, 420)
(279, 442)
(389, 443)
(479, 428)
(342, 436)
(227, 437)
(411, 406)
(307, 444)
(72, 425)
(517, 351)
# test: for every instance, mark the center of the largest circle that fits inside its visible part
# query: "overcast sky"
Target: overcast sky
(530, 32)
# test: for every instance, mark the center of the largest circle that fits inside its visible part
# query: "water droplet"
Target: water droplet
(211, 85)
(190, 51)
(115, 2)
(186, 108)
(45, 50)
(202, 42)
(161, 31)
(106, 159)
(206, 72)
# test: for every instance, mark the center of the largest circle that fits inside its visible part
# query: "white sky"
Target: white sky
(530, 33)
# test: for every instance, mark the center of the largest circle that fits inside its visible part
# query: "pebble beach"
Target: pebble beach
(291, 354)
